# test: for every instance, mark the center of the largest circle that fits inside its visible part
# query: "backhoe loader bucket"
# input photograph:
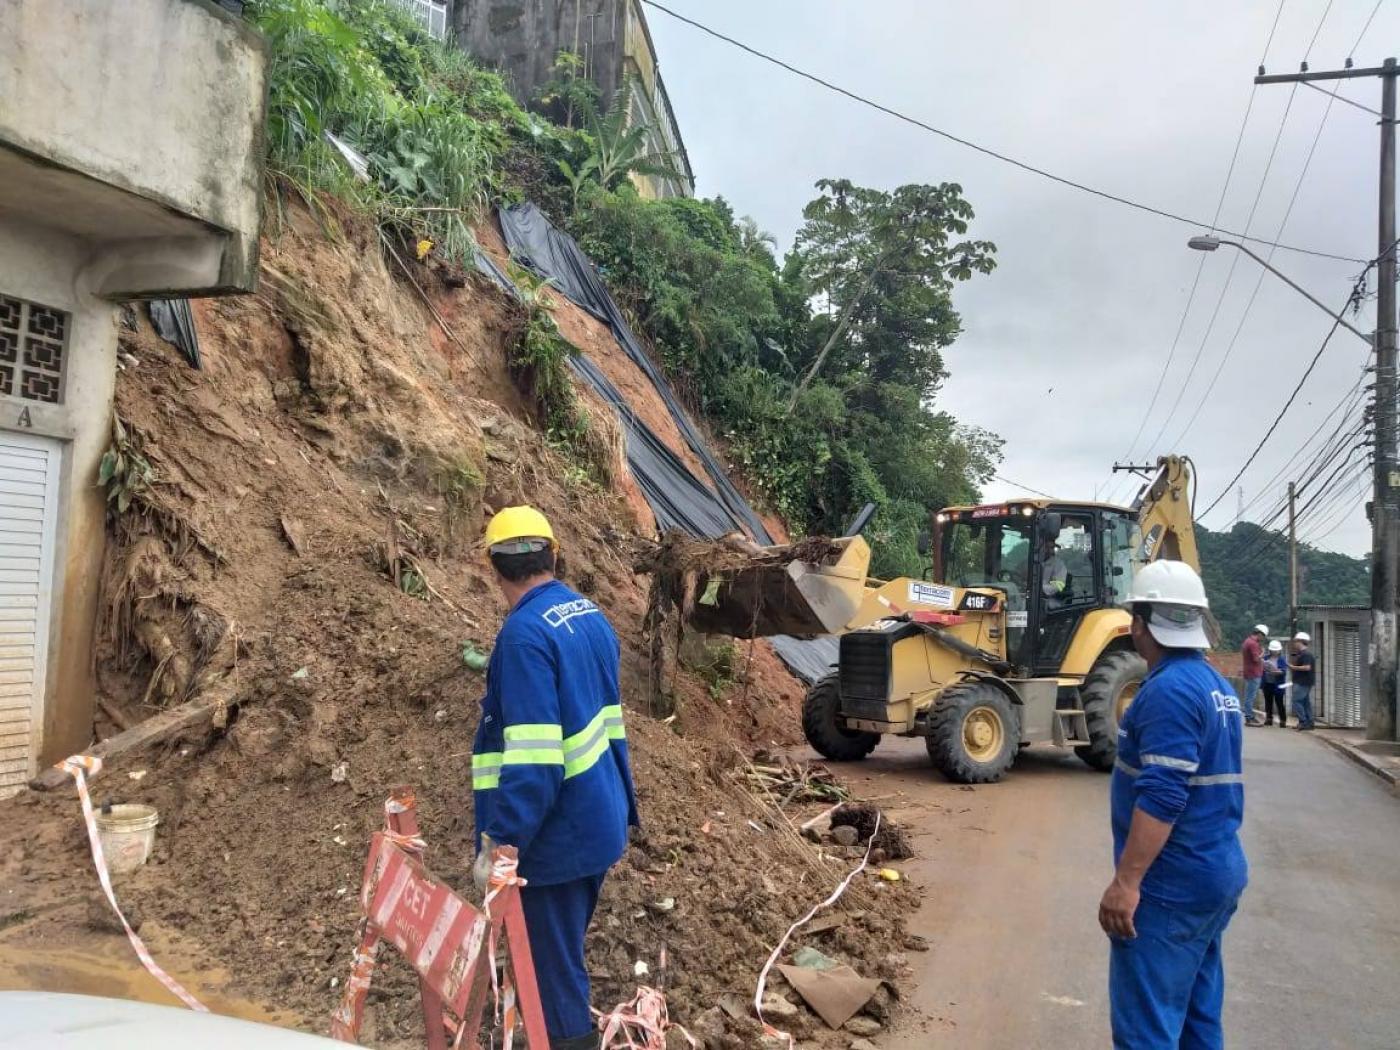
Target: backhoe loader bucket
(782, 592)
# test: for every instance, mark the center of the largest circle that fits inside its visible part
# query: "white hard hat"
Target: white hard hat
(1178, 600)
(1302, 636)
(1260, 628)
(1275, 646)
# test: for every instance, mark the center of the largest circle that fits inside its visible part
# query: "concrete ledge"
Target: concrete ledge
(1348, 743)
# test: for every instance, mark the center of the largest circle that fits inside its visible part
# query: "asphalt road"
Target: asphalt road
(1013, 873)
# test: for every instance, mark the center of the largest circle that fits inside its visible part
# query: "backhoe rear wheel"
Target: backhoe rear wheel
(974, 733)
(821, 723)
(1107, 691)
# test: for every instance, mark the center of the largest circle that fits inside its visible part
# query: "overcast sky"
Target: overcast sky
(1065, 341)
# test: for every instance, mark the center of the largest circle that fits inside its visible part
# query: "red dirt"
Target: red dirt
(332, 403)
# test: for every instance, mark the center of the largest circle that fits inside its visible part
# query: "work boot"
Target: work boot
(591, 1041)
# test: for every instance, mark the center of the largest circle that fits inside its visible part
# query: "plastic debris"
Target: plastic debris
(475, 659)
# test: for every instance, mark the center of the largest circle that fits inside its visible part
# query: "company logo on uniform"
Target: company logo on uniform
(559, 615)
(1225, 703)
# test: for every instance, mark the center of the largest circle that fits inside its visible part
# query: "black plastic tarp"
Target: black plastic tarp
(535, 242)
(676, 496)
(173, 321)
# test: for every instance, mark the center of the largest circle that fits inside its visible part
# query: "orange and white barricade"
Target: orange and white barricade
(451, 944)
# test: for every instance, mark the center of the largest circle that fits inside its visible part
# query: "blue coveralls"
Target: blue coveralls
(551, 777)
(1179, 761)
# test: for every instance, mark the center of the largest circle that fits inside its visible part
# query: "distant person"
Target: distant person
(1301, 664)
(1275, 676)
(1178, 800)
(1252, 652)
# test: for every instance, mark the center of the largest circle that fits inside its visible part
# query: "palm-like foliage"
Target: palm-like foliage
(618, 150)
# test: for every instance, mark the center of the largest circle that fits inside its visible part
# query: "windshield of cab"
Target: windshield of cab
(993, 552)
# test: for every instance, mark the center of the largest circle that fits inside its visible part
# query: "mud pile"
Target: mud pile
(304, 553)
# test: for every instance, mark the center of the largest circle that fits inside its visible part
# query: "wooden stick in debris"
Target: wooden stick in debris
(151, 731)
(115, 713)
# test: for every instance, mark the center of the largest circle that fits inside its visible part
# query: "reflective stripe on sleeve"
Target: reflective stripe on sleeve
(1171, 763)
(535, 731)
(486, 770)
(1123, 767)
(1216, 778)
(534, 744)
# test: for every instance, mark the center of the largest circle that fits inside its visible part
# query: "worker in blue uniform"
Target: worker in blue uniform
(550, 770)
(1178, 800)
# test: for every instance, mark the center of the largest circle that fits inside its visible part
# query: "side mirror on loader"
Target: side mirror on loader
(1048, 528)
(925, 543)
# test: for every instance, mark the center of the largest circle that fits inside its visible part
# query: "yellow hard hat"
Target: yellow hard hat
(518, 523)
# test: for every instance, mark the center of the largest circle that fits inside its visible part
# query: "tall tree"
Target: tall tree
(886, 264)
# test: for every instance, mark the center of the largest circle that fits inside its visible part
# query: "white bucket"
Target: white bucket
(127, 834)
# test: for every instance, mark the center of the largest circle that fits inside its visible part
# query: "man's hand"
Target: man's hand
(481, 870)
(1117, 908)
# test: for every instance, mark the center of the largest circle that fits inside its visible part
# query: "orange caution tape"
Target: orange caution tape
(79, 767)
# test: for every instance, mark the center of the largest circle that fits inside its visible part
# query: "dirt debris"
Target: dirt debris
(333, 414)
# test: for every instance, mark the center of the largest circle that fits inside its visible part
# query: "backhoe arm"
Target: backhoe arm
(1164, 509)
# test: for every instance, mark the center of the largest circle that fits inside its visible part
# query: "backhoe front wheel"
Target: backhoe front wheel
(974, 733)
(821, 723)
(1107, 691)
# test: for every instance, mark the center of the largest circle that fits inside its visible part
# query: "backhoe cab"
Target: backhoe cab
(1019, 638)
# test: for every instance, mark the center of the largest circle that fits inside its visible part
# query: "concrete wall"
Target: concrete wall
(157, 103)
(43, 266)
(522, 38)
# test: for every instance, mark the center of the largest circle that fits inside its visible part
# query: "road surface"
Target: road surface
(1013, 874)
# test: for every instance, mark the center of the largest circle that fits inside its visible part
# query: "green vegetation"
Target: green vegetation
(124, 472)
(1246, 576)
(826, 408)
(820, 370)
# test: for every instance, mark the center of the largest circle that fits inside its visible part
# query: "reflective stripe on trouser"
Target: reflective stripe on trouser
(556, 919)
(1166, 987)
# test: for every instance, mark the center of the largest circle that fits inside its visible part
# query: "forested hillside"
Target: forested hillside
(1246, 575)
(819, 370)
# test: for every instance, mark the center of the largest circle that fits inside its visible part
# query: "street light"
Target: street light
(1207, 243)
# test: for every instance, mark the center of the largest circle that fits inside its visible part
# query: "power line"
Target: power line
(1201, 264)
(987, 151)
(1259, 282)
(1017, 484)
(1365, 29)
(1288, 213)
(1230, 275)
(1336, 323)
(1350, 400)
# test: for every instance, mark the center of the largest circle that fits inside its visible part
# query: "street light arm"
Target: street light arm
(1340, 318)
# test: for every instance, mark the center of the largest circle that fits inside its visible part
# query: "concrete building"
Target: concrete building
(523, 38)
(130, 166)
(1341, 641)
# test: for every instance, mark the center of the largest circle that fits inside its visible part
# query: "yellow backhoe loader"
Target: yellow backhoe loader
(1017, 637)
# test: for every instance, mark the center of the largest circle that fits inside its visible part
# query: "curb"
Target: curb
(1362, 760)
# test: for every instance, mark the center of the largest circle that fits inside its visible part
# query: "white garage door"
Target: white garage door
(28, 510)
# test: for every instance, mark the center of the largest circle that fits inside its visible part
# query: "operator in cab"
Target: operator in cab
(1054, 573)
(1178, 801)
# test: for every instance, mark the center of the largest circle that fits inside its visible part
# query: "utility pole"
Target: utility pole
(1292, 559)
(1385, 514)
